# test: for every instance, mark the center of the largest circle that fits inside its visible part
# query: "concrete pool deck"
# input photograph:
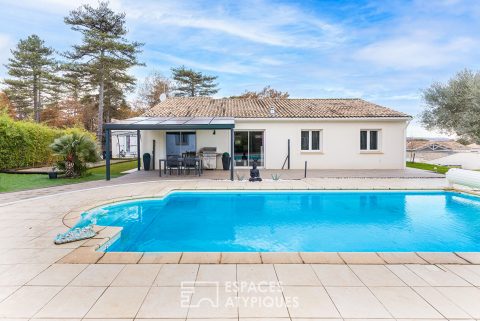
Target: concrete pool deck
(37, 282)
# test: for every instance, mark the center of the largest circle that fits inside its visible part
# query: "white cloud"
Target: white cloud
(60, 6)
(255, 21)
(225, 67)
(416, 130)
(408, 52)
(6, 43)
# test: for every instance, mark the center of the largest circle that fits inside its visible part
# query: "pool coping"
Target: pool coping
(90, 251)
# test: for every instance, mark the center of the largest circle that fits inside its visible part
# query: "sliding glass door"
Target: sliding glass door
(249, 147)
(179, 143)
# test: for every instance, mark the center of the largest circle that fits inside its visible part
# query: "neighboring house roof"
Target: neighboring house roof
(466, 160)
(474, 146)
(261, 108)
(425, 145)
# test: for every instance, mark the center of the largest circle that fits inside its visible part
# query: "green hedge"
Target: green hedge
(26, 144)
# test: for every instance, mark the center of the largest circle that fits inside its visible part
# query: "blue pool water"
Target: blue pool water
(295, 221)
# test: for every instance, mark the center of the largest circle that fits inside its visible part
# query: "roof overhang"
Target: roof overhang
(323, 119)
(172, 123)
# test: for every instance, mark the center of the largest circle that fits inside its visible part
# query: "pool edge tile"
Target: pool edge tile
(120, 258)
(361, 258)
(281, 257)
(401, 258)
(471, 257)
(200, 257)
(442, 258)
(321, 258)
(82, 255)
(241, 258)
(161, 258)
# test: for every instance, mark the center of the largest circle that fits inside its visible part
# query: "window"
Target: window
(127, 143)
(178, 143)
(310, 140)
(369, 140)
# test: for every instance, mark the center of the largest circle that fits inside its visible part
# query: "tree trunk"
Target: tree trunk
(192, 90)
(36, 113)
(100, 111)
(39, 105)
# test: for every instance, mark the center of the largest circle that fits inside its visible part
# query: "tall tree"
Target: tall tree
(105, 55)
(152, 88)
(454, 107)
(266, 92)
(190, 83)
(33, 70)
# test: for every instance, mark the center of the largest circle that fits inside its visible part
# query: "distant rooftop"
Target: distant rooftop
(417, 145)
(271, 108)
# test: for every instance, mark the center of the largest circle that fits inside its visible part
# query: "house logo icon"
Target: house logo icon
(189, 299)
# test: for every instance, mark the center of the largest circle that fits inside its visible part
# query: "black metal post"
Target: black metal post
(107, 154)
(138, 149)
(153, 155)
(305, 176)
(288, 155)
(232, 160)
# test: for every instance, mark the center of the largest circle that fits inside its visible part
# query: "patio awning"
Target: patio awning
(166, 123)
(172, 123)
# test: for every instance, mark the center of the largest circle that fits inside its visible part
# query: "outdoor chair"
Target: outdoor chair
(191, 163)
(174, 163)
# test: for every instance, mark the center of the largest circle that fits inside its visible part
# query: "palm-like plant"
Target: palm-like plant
(74, 151)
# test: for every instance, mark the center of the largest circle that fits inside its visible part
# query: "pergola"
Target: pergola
(168, 123)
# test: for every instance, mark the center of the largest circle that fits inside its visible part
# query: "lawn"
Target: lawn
(18, 182)
(429, 167)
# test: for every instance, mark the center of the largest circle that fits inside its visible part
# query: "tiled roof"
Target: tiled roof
(415, 145)
(261, 108)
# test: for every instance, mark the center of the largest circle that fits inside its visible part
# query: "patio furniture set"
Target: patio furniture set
(182, 165)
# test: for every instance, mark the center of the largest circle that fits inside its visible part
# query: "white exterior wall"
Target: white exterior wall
(205, 138)
(340, 143)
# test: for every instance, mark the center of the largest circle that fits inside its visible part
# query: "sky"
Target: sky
(382, 51)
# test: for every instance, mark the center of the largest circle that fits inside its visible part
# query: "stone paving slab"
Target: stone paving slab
(317, 291)
(39, 281)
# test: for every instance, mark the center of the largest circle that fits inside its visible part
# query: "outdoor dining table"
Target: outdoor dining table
(198, 162)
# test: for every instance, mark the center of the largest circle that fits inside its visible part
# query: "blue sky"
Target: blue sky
(382, 51)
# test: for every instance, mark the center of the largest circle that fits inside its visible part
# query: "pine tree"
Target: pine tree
(34, 81)
(190, 83)
(105, 55)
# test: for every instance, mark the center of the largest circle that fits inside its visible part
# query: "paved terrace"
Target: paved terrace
(149, 176)
(37, 282)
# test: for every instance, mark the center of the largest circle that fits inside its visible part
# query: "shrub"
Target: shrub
(74, 151)
(26, 144)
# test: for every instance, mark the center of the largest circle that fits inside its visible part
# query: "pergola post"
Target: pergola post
(232, 160)
(138, 149)
(107, 154)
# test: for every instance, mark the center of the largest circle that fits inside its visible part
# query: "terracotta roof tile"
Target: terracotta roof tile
(260, 108)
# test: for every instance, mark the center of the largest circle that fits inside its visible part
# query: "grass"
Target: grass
(18, 182)
(429, 167)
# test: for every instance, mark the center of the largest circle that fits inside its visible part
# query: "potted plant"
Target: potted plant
(146, 161)
(53, 174)
(226, 161)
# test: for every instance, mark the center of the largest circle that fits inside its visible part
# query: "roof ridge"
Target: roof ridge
(284, 108)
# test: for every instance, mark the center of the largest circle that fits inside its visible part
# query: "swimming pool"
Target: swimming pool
(318, 221)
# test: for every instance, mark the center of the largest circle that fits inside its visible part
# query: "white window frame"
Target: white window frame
(310, 141)
(379, 141)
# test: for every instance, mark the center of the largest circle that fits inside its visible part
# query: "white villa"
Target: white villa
(326, 133)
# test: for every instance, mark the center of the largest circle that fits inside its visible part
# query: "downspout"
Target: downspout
(405, 143)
